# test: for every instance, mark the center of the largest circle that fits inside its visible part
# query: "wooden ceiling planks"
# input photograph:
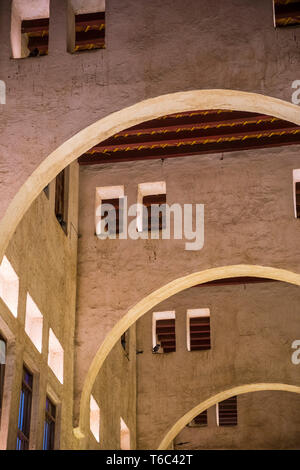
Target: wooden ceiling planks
(194, 133)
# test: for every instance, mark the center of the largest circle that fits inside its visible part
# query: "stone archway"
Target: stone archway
(127, 117)
(189, 416)
(106, 127)
(154, 299)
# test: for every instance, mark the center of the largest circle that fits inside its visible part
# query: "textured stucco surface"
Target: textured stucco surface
(241, 193)
(115, 392)
(252, 329)
(44, 258)
(62, 93)
(266, 420)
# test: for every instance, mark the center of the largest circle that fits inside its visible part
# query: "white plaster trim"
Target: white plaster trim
(95, 418)
(296, 179)
(160, 316)
(147, 189)
(102, 193)
(194, 313)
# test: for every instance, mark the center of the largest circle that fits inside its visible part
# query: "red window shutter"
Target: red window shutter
(298, 199)
(117, 204)
(286, 13)
(148, 201)
(228, 412)
(201, 419)
(165, 331)
(38, 35)
(90, 31)
(199, 333)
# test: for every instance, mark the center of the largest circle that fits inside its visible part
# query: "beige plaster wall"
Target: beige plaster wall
(115, 393)
(249, 219)
(266, 420)
(252, 330)
(44, 258)
(62, 93)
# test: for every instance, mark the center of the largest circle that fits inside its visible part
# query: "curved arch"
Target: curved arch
(155, 298)
(127, 117)
(106, 127)
(184, 420)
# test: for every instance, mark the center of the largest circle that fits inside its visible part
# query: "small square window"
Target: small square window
(199, 420)
(9, 286)
(124, 435)
(34, 323)
(95, 418)
(164, 335)
(56, 356)
(227, 412)
(49, 425)
(89, 31)
(109, 211)
(198, 329)
(286, 13)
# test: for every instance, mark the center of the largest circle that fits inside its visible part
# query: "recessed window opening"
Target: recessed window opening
(24, 419)
(95, 418)
(227, 412)
(62, 198)
(151, 211)
(198, 329)
(124, 435)
(199, 420)
(49, 425)
(163, 332)
(56, 356)
(286, 13)
(29, 28)
(2, 369)
(125, 342)
(9, 286)
(296, 193)
(34, 323)
(109, 211)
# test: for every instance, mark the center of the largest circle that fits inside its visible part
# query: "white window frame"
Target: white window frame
(168, 315)
(147, 189)
(103, 193)
(194, 313)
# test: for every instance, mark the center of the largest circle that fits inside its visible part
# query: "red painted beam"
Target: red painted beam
(193, 141)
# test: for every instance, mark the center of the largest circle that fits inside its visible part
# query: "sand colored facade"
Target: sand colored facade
(91, 291)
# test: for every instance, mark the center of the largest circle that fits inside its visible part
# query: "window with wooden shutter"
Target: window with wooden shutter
(90, 31)
(286, 13)
(165, 332)
(62, 199)
(297, 191)
(49, 425)
(36, 34)
(125, 342)
(114, 215)
(227, 412)
(199, 420)
(2, 369)
(154, 212)
(198, 329)
(24, 419)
